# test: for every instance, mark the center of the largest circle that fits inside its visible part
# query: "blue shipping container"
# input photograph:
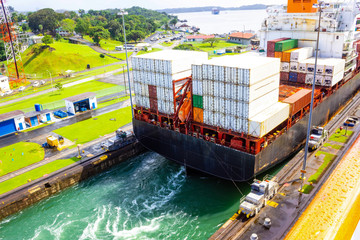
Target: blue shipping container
(293, 76)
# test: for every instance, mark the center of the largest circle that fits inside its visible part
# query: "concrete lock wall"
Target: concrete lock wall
(69, 107)
(20, 121)
(92, 101)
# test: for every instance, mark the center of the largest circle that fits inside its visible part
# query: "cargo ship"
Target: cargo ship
(215, 11)
(237, 116)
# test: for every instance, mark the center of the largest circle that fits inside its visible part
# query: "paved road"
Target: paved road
(25, 136)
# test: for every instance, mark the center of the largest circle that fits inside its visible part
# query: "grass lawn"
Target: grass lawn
(167, 44)
(35, 174)
(19, 155)
(334, 146)
(339, 136)
(93, 128)
(117, 100)
(66, 56)
(207, 48)
(327, 160)
(121, 55)
(152, 50)
(106, 44)
(307, 188)
(90, 86)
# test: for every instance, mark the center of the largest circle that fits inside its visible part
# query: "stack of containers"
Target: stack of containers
(329, 71)
(296, 57)
(357, 48)
(197, 98)
(284, 45)
(237, 88)
(270, 51)
(154, 74)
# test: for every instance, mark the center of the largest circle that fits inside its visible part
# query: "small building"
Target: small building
(119, 48)
(81, 103)
(34, 118)
(35, 39)
(241, 38)
(4, 83)
(143, 46)
(198, 38)
(11, 122)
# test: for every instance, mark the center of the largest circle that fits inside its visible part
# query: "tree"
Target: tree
(135, 35)
(25, 27)
(81, 12)
(41, 28)
(68, 25)
(47, 39)
(58, 37)
(97, 33)
(58, 86)
(47, 18)
(174, 21)
(82, 26)
(211, 41)
(114, 28)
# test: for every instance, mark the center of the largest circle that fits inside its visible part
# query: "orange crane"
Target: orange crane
(8, 32)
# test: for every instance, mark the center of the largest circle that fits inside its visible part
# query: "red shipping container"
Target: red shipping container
(298, 100)
(284, 76)
(152, 92)
(270, 54)
(358, 47)
(153, 104)
(301, 77)
(271, 44)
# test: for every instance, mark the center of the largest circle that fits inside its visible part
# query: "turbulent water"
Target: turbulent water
(147, 197)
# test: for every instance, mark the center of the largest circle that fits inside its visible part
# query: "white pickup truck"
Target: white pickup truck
(261, 192)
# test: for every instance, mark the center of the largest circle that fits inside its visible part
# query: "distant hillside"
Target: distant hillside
(209, 8)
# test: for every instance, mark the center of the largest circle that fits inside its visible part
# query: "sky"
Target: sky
(33, 5)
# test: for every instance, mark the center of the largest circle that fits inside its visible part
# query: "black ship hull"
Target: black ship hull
(229, 163)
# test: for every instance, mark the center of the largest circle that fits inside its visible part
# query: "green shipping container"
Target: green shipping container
(198, 101)
(286, 45)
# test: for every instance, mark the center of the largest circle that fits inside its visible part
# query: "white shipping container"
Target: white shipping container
(294, 66)
(261, 88)
(333, 66)
(301, 54)
(330, 81)
(200, 88)
(267, 120)
(319, 79)
(302, 67)
(263, 102)
(309, 78)
(285, 67)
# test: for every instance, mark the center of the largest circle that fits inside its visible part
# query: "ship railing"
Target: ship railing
(242, 199)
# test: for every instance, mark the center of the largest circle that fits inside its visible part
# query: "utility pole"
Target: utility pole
(122, 13)
(124, 80)
(320, 7)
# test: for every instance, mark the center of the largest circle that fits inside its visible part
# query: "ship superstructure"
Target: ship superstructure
(236, 116)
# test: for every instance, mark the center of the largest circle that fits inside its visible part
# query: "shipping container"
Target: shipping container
(198, 115)
(294, 66)
(270, 54)
(271, 44)
(301, 54)
(152, 91)
(198, 101)
(293, 77)
(301, 77)
(278, 55)
(309, 78)
(153, 104)
(298, 101)
(284, 76)
(267, 120)
(285, 67)
(287, 55)
(319, 79)
(330, 81)
(333, 66)
(286, 45)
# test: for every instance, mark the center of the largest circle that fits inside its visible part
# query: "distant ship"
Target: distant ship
(215, 11)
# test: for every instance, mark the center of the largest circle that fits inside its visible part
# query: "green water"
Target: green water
(147, 197)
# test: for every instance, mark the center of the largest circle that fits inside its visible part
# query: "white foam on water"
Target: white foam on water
(91, 229)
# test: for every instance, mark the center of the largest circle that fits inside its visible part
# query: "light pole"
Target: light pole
(320, 7)
(52, 89)
(122, 13)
